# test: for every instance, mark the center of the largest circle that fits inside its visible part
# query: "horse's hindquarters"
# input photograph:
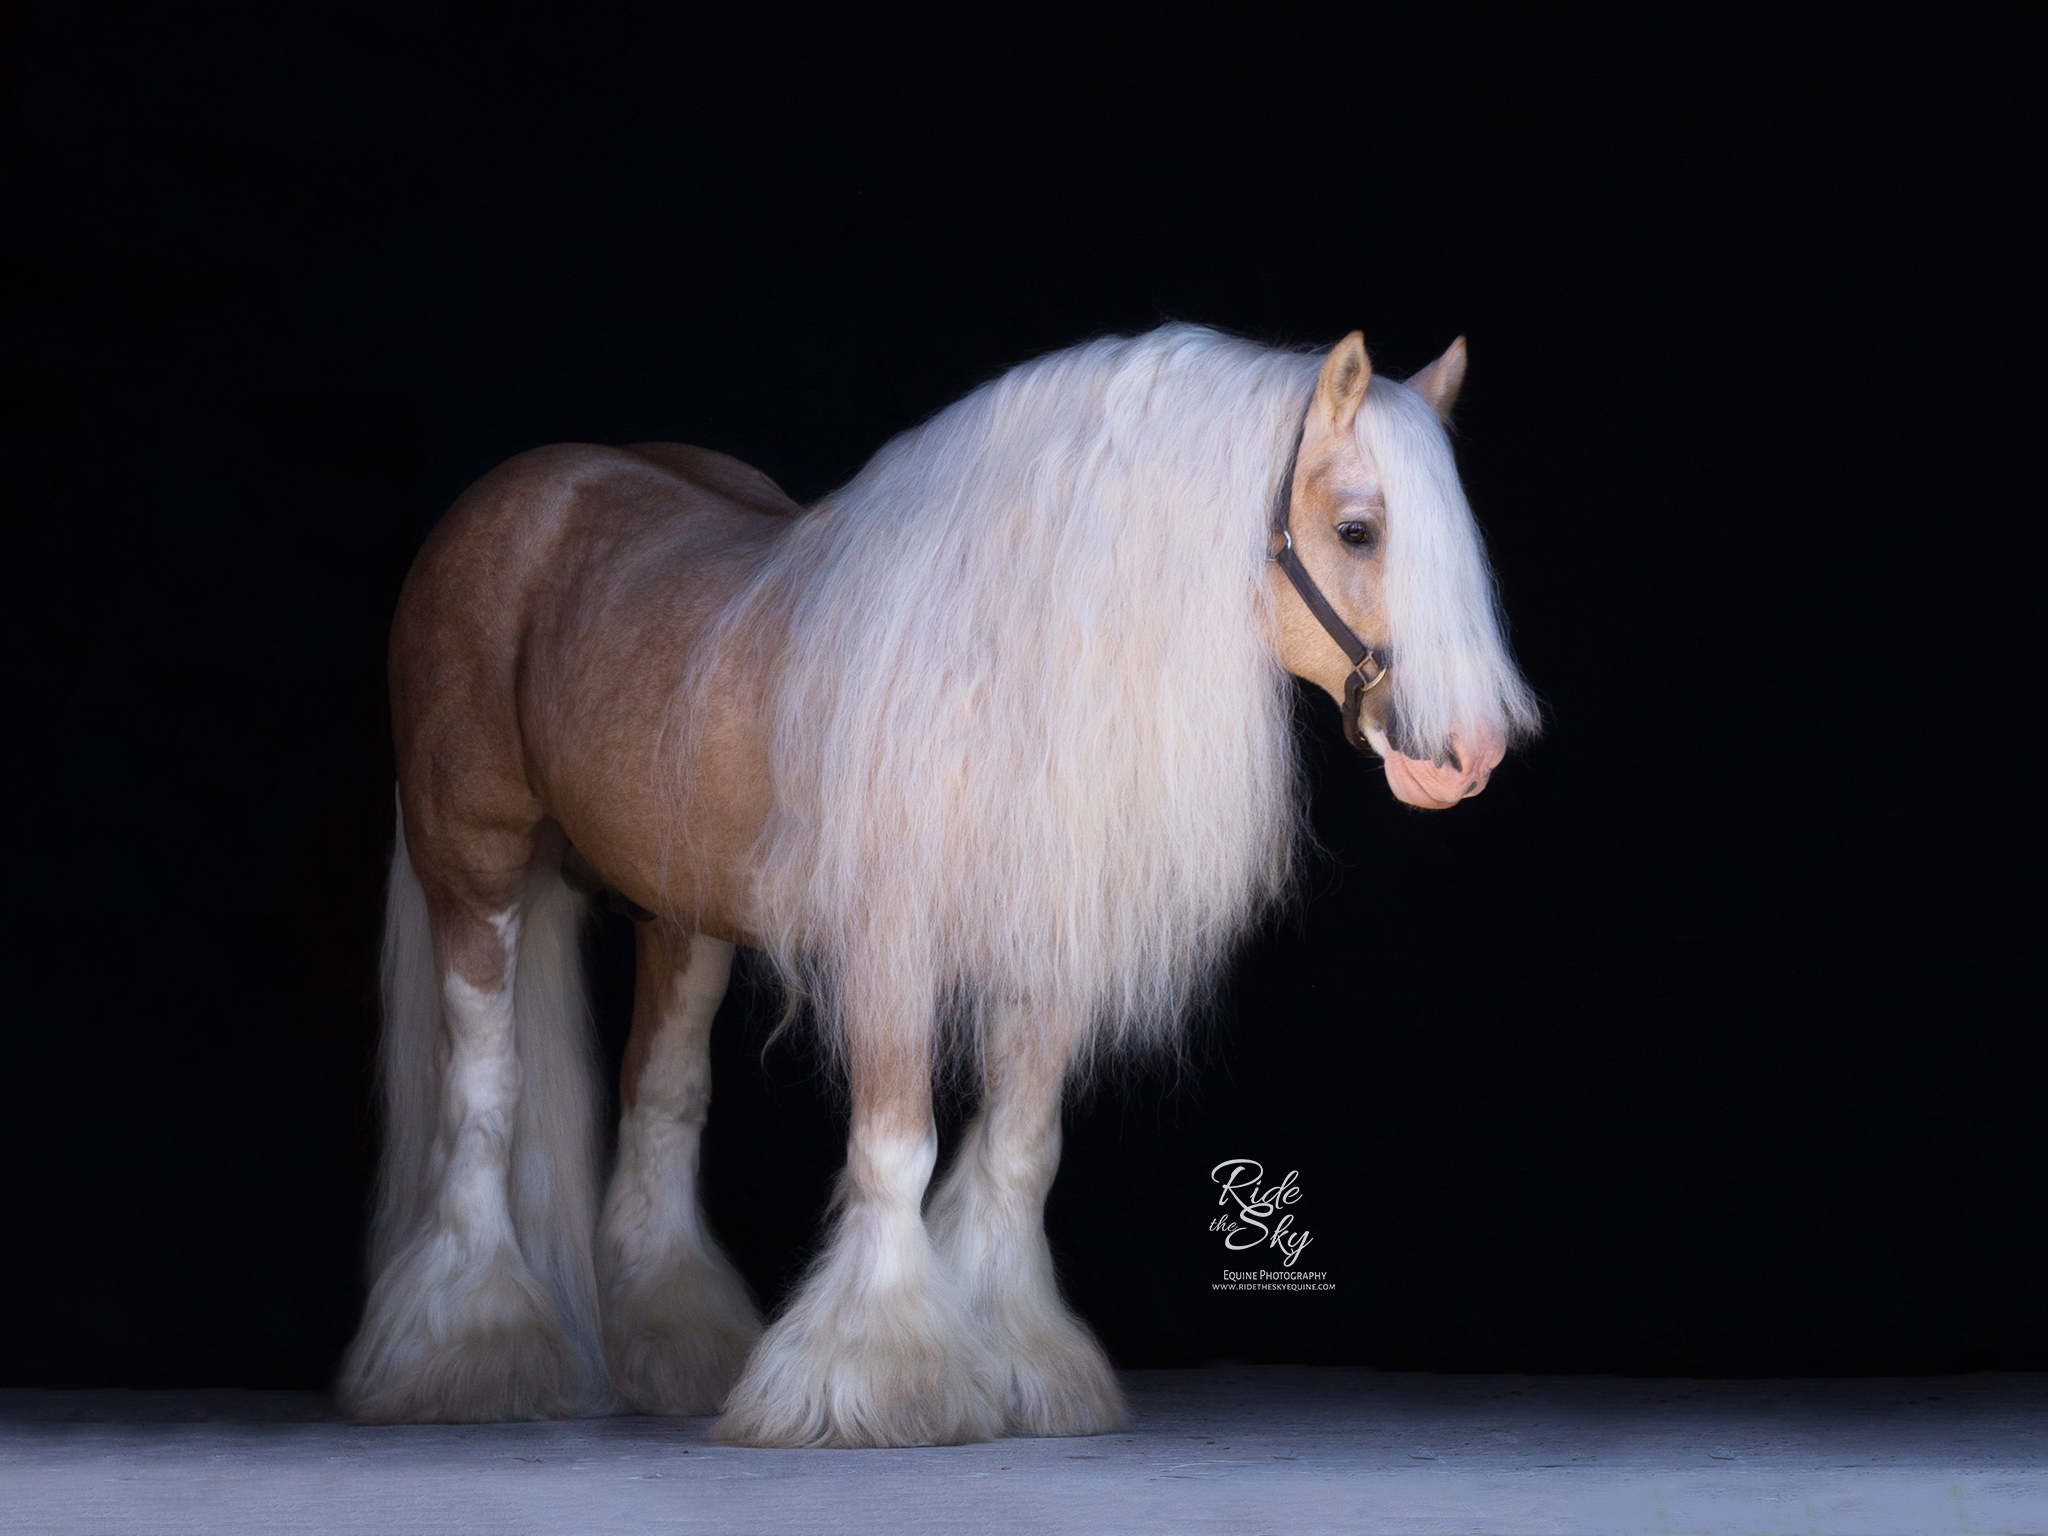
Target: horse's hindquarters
(549, 661)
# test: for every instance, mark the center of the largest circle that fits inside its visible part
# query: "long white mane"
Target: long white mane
(1029, 739)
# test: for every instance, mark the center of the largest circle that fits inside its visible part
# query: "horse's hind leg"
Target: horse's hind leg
(474, 1316)
(678, 1321)
(988, 1220)
(879, 1347)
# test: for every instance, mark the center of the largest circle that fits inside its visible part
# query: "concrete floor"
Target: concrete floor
(1235, 1449)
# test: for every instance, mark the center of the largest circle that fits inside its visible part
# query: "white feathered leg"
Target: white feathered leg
(988, 1220)
(459, 1329)
(879, 1347)
(678, 1320)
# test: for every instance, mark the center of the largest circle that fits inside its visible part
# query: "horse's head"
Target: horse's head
(1380, 533)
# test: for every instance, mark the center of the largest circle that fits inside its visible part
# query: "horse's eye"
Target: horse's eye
(1356, 533)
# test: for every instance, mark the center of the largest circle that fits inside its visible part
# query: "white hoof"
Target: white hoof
(879, 1349)
(678, 1337)
(444, 1342)
(894, 1389)
(1058, 1382)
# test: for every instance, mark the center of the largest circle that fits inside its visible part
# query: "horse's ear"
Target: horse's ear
(1439, 382)
(1340, 388)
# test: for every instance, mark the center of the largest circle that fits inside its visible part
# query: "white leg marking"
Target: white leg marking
(988, 1221)
(458, 1329)
(480, 1090)
(879, 1347)
(678, 1318)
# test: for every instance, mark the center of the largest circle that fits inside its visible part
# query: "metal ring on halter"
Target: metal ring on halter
(1378, 677)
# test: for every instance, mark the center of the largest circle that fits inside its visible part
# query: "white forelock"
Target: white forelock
(1452, 671)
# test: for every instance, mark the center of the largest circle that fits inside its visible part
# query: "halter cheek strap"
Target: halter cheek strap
(1369, 667)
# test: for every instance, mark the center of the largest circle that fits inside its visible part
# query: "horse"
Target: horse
(989, 754)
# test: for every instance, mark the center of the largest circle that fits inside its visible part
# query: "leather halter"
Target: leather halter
(1369, 667)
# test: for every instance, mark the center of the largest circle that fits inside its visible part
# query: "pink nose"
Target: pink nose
(1439, 786)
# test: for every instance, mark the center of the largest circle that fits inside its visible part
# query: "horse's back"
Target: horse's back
(719, 474)
(512, 526)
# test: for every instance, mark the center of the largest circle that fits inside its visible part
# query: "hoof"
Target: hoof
(678, 1341)
(1060, 1383)
(902, 1371)
(476, 1347)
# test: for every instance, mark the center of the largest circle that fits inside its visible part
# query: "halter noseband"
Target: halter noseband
(1369, 667)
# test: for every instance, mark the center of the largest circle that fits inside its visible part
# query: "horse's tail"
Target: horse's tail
(411, 987)
(555, 1148)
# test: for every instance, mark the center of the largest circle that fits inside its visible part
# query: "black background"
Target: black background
(1694, 1045)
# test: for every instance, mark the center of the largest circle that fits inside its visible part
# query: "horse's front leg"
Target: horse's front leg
(879, 1347)
(678, 1320)
(988, 1221)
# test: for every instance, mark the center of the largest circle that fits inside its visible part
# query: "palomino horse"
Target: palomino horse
(989, 753)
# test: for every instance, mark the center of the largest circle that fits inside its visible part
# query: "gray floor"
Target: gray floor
(1284, 1449)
